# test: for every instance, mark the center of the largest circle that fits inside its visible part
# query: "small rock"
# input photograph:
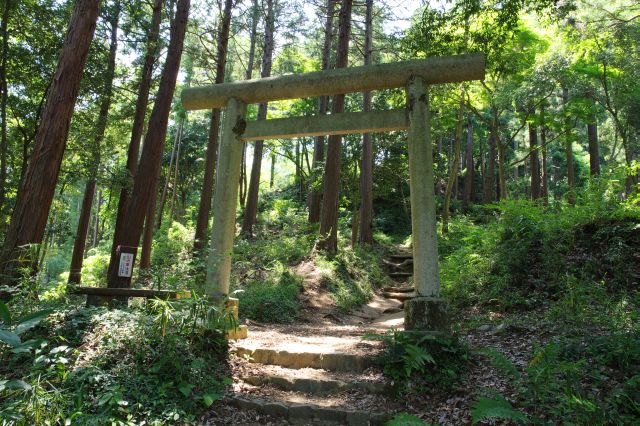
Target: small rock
(485, 327)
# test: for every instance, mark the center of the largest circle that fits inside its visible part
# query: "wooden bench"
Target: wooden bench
(98, 296)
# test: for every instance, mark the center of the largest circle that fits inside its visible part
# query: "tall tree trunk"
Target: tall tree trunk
(329, 217)
(146, 180)
(544, 167)
(212, 143)
(77, 258)
(37, 189)
(534, 162)
(4, 33)
(142, 101)
(469, 175)
(251, 211)
(455, 159)
(314, 199)
(571, 180)
(366, 167)
(594, 147)
(242, 191)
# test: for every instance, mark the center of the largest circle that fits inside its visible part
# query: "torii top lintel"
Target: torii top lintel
(436, 70)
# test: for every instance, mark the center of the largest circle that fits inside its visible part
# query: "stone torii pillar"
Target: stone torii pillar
(427, 311)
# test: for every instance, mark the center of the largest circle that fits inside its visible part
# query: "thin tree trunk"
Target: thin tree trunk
(490, 170)
(142, 101)
(366, 167)
(147, 237)
(544, 167)
(314, 199)
(469, 175)
(101, 126)
(534, 162)
(165, 189)
(146, 180)
(96, 222)
(175, 180)
(453, 172)
(36, 192)
(568, 148)
(212, 144)
(594, 147)
(251, 211)
(329, 217)
(81, 235)
(273, 169)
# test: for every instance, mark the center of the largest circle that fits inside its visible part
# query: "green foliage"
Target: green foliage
(528, 251)
(405, 419)
(496, 408)
(431, 360)
(137, 368)
(270, 301)
(352, 275)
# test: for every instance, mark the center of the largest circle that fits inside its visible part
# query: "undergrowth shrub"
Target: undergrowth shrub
(429, 361)
(93, 366)
(525, 254)
(585, 381)
(272, 301)
(352, 275)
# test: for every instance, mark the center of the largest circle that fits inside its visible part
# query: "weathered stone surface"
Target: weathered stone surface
(330, 415)
(275, 409)
(300, 412)
(379, 419)
(330, 361)
(246, 403)
(426, 314)
(357, 418)
(241, 332)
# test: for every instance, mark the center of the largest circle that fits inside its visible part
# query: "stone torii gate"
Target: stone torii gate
(425, 312)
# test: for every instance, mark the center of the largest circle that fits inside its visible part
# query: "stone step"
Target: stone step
(398, 295)
(401, 256)
(333, 361)
(316, 382)
(402, 289)
(298, 410)
(403, 275)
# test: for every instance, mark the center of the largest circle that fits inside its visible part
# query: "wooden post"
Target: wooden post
(426, 312)
(225, 200)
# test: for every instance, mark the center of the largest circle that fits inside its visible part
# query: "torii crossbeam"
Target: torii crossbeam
(427, 310)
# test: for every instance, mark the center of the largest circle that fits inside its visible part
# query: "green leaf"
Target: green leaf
(405, 419)
(5, 315)
(28, 322)
(9, 338)
(209, 398)
(498, 408)
(186, 388)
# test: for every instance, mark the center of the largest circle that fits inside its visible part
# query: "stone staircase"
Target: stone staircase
(400, 269)
(322, 374)
(312, 375)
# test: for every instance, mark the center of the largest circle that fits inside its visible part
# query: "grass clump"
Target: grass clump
(352, 275)
(272, 301)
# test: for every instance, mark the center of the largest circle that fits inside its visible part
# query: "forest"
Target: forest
(160, 264)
